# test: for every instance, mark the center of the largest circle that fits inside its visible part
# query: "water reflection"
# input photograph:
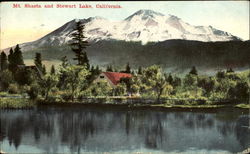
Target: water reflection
(79, 130)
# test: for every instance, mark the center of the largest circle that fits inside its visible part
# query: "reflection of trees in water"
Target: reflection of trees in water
(155, 134)
(233, 115)
(15, 131)
(42, 124)
(3, 129)
(128, 120)
(147, 125)
(195, 120)
(226, 128)
(242, 131)
(15, 126)
(204, 120)
(75, 127)
(11, 130)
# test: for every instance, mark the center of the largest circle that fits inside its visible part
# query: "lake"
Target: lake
(82, 129)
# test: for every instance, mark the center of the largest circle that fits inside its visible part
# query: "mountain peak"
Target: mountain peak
(98, 18)
(173, 17)
(148, 12)
(145, 14)
(94, 18)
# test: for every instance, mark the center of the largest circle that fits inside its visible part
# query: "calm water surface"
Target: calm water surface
(97, 130)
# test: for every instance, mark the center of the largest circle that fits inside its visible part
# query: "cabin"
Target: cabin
(31, 67)
(112, 78)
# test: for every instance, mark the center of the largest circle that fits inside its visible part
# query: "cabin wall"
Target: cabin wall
(105, 78)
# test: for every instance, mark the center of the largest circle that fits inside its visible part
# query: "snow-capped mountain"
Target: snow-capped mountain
(143, 25)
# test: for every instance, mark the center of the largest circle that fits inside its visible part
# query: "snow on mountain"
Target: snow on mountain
(143, 25)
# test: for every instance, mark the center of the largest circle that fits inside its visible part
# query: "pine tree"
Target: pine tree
(193, 71)
(11, 60)
(92, 70)
(65, 62)
(170, 79)
(230, 70)
(52, 70)
(79, 45)
(220, 74)
(139, 70)
(38, 61)
(18, 57)
(127, 68)
(3, 61)
(98, 70)
(92, 75)
(62, 74)
(176, 82)
(109, 68)
(86, 60)
(10, 56)
(44, 70)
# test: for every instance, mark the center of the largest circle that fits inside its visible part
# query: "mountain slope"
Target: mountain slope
(144, 25)
(173, 55)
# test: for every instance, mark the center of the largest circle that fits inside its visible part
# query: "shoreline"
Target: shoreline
(144, 106)
(24, 103)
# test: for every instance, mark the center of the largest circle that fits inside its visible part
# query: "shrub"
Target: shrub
(51, 99)
(6, 78)
(85, 93)
(54, 90)
(33, 92)
(179, 102)
(202, 101)
(101, 89)
(23, 89)
(120, 89)
(240, 91)
(149, 95)
(13, 88)
(190, 81)
(217, 95)
(66, 96)
(47, 83)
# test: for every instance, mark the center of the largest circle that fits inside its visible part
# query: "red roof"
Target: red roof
(115, 77)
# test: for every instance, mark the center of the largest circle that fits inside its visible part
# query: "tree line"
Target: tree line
(70, 82)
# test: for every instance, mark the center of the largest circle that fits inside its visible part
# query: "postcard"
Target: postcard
(117, 77)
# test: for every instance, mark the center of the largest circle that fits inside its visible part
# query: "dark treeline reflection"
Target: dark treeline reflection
(81, 129)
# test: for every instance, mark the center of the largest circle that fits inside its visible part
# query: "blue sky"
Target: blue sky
(20, 25)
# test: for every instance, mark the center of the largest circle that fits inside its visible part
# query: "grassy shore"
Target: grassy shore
(189, 106)
(16, 103)
(21, 103)
(244, 106)
(6, 94)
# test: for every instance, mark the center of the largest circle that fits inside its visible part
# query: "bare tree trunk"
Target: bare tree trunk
(46, 94)
(72, 93)
(159, 95)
